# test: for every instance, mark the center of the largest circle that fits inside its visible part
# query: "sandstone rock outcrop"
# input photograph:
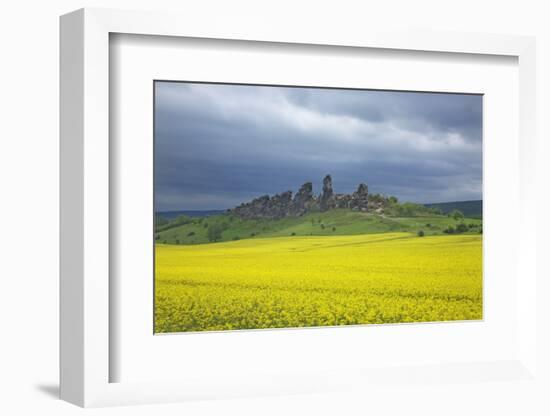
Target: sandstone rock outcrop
(327, 201)
(360, 198)
(304, 201)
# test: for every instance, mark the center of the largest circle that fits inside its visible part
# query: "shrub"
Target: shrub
(189, 234)
(177, 241)
(333, 228)
(420, 233)
(293, 233)
(428, 225)
(449, 230)
(236, 238)
(322, 226)
(461, 228)
(252, 234)
(205, 225)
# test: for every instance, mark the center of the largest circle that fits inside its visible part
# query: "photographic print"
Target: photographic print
(289, 207)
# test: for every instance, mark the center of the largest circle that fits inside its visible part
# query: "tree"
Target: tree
(215, 232)
(420, 233)
(456, 214)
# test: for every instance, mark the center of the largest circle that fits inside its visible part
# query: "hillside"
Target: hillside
(471, 209)
(171, 215)
(333, 222)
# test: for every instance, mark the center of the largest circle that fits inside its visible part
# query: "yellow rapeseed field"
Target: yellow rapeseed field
(317, 281)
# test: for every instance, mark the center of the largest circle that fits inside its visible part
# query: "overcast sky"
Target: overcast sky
(219, 145)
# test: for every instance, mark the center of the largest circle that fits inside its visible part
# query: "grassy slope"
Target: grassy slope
(335, 222)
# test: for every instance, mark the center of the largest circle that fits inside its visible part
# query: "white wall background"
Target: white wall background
(29, 183)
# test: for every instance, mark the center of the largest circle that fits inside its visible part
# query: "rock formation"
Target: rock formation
(284, 205)
(279, 205)
(303, 200)
(360, 198)
(326, 201)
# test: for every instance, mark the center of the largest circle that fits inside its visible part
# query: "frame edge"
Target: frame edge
(71, 221)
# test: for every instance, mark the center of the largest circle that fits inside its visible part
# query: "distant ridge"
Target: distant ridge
(170, 215)
(472, 209)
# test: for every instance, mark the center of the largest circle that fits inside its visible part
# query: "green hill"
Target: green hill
(471, 209)
(227, 227)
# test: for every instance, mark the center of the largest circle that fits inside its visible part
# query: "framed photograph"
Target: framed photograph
(264, 212)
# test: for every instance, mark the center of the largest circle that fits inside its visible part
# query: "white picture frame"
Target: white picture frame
(85, 208)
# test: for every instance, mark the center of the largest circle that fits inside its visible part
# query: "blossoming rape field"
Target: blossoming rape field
(317, 281)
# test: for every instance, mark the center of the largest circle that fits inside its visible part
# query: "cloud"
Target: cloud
(219, 145)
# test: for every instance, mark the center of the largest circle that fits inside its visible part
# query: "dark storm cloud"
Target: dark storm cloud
(459, 113)
(219, 145)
